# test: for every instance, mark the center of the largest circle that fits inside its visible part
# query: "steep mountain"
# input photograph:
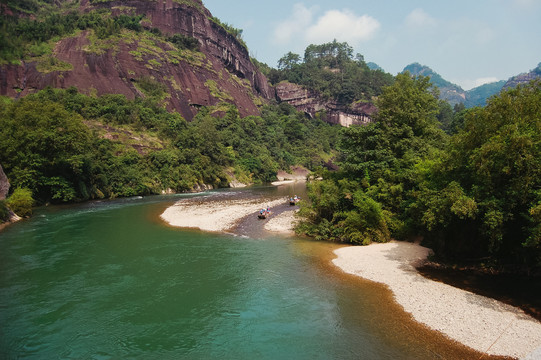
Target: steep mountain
(145, 58)
(523, 78)
(312, 103)
(450, 92)
(373, 66)
(478, 96)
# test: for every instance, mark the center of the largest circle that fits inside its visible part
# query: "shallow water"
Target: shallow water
(109, 280)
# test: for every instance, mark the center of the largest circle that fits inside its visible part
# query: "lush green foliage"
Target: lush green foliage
(332, 70)
(481, 197)
(474, 195)
(184, 42)
(4, 211)
(21, 202)
(65, 146)
(379, 167)
(21, 37)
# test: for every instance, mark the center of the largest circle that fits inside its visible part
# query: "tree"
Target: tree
(21, 202)
(494, 166)
(288, 61)
(378, 177)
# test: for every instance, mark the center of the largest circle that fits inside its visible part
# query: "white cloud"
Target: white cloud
(419, 18)
(300, 19)
(468, 84)
(334, 24)
(343, 26)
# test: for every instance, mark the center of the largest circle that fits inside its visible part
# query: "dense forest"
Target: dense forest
(65, 146)
(472, 194)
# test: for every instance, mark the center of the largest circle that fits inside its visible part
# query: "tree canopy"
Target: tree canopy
(64, 146)
(472, 195)
(334, 71)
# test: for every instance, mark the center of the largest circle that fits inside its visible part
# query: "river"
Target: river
(110, 280)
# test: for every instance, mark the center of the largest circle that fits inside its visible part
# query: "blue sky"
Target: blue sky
(468, 42)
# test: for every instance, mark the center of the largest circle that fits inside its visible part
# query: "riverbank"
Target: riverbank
(481, 323)
(13, 218)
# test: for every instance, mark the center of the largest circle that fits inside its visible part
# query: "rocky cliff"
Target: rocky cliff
(312, 103)
(523, 79)
(4, 184)
(220, 72)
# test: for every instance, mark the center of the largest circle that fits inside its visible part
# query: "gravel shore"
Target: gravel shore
(282, 223)
(481, 323)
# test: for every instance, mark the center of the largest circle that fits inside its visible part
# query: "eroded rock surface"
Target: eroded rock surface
(220, 72)
(311, 103)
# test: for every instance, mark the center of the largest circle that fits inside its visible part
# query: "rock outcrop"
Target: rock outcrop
(523, 79)
(312, 103)
(4, 184)
(220, 72)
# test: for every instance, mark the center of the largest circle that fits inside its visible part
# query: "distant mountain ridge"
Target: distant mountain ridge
(477, 96)
(450, 92)
(524, 78)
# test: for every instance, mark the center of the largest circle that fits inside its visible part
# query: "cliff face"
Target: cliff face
(220, 72)
(4, 184)
(311, 103)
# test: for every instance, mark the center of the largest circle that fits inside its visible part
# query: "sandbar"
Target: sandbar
(215, 215)
(481, 323)
(283, 223)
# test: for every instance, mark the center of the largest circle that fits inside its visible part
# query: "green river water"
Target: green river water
(110, 280)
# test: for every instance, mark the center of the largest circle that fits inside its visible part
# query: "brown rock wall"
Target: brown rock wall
(310, 102)
(116, 70)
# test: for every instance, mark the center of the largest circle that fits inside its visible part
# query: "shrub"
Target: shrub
(4, 211)
(21, 202)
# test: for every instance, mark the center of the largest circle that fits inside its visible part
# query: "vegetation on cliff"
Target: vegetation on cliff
(332, 70)
(23, 38)
(65, 146)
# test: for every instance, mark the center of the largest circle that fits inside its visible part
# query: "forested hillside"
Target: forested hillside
(66, 146)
